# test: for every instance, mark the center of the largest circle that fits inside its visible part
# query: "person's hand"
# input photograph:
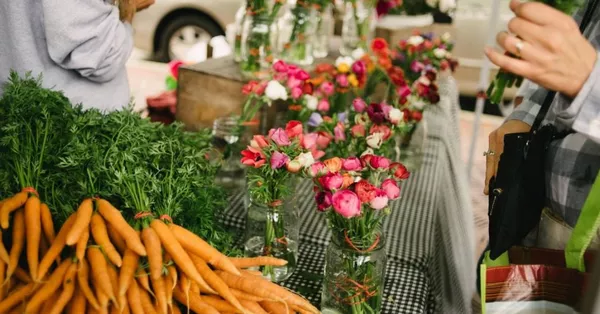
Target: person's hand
(552, 51)
(143, 4)
(496, 147)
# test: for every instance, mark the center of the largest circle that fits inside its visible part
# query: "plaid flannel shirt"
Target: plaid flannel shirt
(572, 162)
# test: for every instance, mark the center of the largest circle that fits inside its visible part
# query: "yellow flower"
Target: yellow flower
(343, 68)
(353, 80)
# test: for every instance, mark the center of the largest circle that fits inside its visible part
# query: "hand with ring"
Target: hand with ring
(550, 49)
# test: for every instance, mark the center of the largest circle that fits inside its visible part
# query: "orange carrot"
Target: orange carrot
(18, 240)
(49, 288)
(252, 272)
(33, 228)
(55, 248)
(127, 271)
(48, 303)
(155, 260)
(194, 244)
(169, 291)
(99, 270)
(252, 306)
(82, 243)
(219, 304)
(47, 223)
(196, 304)
(247, 262)
(216, 282)
(100, 234)
(275, 307)
(78, 303)
(3, 252)
(84, 286)
(82, 221)
(114, 217)
(103, 299)
(144, 281)
(10, 205)
(185, 286)
(133, 298)
(68, 288)
(173, 274)
(16, 296)
(240, 295)
(146, 303)
(114, 281)
(116, 238)
(172, 246)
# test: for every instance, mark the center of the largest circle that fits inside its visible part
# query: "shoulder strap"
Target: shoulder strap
(585, 21)
(585, 230)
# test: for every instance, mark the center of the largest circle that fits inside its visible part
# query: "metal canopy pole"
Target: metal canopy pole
(483, 84)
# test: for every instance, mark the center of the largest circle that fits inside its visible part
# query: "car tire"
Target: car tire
(176, 23)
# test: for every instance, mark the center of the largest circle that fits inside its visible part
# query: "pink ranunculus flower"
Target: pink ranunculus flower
(302, 75)
(259, 141)
(339, 133)
(280, 137)
(327, 88)
(296, 92)
(293, 82)
(346, 203)
(323, 105)
(317, 154)
(317, 169)
(309, 140)
(359, 68)
(331, 181)
(351, 164)
(342, 80)
(293, 129)
(380, 201)
(403, 91)
(386, 109)
(280, 66)
(417, 66)
(281, 77)
(323, 140)
(380, 162)
(358, 130)
(359, 105)
(278, 160)
(323, 200)
(391, 188)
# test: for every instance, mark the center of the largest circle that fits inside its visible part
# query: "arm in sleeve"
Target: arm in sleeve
(87, 36)
(532, 96)
(582, 114)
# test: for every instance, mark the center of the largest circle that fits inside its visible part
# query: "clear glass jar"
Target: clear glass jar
(273, 229)
(358, 26)
(296, 30)
(411, 145)
(229, 139)
(258, 34)
(323, 31)
(240, 17)
(354, 276)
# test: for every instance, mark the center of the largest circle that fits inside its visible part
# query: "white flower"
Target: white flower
(396, 115)
(447, 5)
(375, 140)
(424, 80)
(306, 159)
(446, 37)
(415, 40)
(440, 53)
(361, 119)
(311, 102)
(358, 53)
(276, 91)
(345, 60)
(368, 151)
(416, 102)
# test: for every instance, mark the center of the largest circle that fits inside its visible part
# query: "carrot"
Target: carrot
(252, 272)
(125, 309)
(3, 252)
(22, 275)
(146, 303)
(172, 246)
(144, 281)
(49, 288)
(185, 286)
(196, 304)
(127, 271)
(247, 262)
(100, 235)
(78, 303)
(173, 274)
(16, 296)
(33, 228)
(220, 304)
(114, 281)
(194, 244)
(116, 238)
(253, 306)
(47, 223)
(84, 286)
(68, 288)
(216, 282)
(82, 221)
(55, 248)
(169, 291)
(133, 298)
(114, 217)
(275, 307)
(10, 205)
(18, 240)
(99, 269)
(240, 295)
(82, 243)
(155, 260)
(267, 290)
(103, 299)
(48, 303)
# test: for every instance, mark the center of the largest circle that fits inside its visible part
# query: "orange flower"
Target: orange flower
(295, 107)
(254, 52)
(348, 180)
(317, 80)
(333, 164)
(385, 63)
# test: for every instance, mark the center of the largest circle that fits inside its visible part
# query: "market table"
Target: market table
(429, 235)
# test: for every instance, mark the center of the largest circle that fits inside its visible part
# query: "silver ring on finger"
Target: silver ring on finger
(489, 153)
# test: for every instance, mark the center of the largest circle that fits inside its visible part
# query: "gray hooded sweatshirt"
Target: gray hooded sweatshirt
(79, 46)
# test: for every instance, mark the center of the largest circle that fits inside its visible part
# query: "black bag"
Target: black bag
(517, 194)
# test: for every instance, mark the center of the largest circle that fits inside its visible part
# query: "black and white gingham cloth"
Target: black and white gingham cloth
(429, 235)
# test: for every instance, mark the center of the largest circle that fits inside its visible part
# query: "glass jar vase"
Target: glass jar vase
(354, 276)
(258, 34)
(240, 18)
(296, 30)
(324, 26)
(358, 26)
(229, 139)
(410, 145)
(272, 229)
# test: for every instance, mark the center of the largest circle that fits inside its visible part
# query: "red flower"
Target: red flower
(253, 157)
(383, 129)
(400, 171)
(379, 162)
(416, 116)
(293, 129)
(307, 88)
(365, 160)
(365, 191)
(249, 88)
(379, 45)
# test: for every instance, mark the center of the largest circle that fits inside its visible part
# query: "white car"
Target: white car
(169, 29)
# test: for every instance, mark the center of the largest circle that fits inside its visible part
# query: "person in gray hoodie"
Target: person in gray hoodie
(79, 47)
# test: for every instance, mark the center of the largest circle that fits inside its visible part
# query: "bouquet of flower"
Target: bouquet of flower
(355, 194)
(504, 79)
(384, 71)
(273, 162)
(258, 41)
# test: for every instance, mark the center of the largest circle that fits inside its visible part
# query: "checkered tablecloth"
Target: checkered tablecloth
(429, 236)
